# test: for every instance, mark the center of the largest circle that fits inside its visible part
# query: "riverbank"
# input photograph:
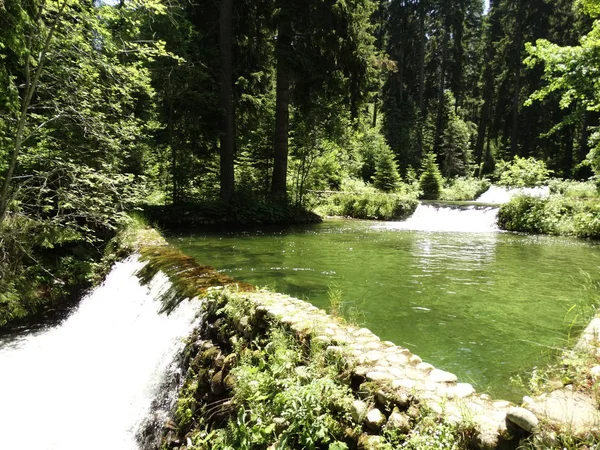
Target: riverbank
(255, 348)
(237, 213)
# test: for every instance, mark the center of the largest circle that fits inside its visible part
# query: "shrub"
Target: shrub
(368, 205)
(522, 172)
(464, 189)
(556, 215)
(431, 180)
(571, 188)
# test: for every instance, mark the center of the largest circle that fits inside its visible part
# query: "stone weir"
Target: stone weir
(396, 379)
(392, 386)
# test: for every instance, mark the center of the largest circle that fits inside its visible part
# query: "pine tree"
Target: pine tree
(386, 176)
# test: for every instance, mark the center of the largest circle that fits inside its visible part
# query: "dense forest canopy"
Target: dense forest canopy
(275, 97)
(105, 105)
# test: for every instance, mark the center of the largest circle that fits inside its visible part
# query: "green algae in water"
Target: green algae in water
(486, 306)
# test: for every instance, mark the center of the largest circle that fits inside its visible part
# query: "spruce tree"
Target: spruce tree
(386, 176)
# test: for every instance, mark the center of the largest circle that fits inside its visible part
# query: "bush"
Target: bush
(376, 206)
(431, 180)
(464, 189)
(576, 189)
(556, 215)
(522, 172)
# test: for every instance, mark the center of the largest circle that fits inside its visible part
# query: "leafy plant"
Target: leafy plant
(522, 172)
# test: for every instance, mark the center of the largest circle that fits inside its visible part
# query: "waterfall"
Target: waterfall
(498, 195)
(430, 217)
(92, 381)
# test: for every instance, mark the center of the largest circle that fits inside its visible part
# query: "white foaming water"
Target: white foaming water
(449, 219)
(89, 382)
(498, 195)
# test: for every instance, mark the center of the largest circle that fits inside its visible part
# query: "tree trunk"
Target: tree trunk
(421, 80)
(227, 136)
(514, 132)
(282, 110)
(30, 88)
(439, 123)
(485, 110)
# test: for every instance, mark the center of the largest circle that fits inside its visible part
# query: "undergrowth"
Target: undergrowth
(368, 205)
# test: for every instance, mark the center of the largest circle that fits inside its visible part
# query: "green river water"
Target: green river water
(486, 306)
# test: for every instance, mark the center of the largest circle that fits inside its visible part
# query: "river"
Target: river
(446, 284)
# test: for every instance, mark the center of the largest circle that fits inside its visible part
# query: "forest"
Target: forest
(108, 107)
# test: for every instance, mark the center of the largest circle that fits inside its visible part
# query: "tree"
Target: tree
(226, 100)
(386, 176)
(571, 72)
(430, 181)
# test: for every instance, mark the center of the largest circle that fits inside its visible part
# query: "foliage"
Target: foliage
(369, 205)
(571, 71)
(522, 172)
(430, 181)
(464, 189)
(571, 188)
(557, 215)
(285, 394)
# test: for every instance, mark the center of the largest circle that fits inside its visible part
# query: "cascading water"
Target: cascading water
(472, 219)
(464, 218)
(91, 382)
(498, 195)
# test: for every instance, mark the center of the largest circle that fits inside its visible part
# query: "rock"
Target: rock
(229, 382)
(461, 390)
(216, 384)
(425, 367)
(230, 361)
(382, 398)
(441, 376)
(566, 409)
(358, 411)
(375, 420)
(486, 439)
(522, 418)
(379, 376)
(368, 442)
(373, 356)
(415, 360)
(398, 422)
(403, 384)
(397, 359)
(595, 373)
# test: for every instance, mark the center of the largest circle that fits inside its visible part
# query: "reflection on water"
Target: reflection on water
(483, 305)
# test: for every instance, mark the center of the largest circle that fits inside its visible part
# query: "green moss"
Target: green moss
(188, 278)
